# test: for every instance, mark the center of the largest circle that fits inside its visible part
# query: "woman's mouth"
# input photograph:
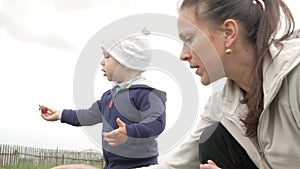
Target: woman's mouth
(199, 71)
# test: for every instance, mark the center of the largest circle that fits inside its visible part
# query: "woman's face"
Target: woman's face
(201, 46)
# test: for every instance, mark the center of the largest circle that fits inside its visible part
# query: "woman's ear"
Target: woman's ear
(231, 31)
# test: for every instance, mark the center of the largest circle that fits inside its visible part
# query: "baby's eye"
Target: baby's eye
(105, 53)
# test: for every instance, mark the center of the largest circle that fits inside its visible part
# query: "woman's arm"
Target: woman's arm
(186, 155)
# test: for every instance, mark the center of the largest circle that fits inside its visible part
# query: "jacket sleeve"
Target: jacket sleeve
(82, 117)
(294, 93)
(153, 114)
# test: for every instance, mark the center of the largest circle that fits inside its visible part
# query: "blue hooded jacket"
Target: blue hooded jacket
(143, 110)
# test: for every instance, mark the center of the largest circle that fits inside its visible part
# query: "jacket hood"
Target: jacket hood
(284, 58)
(161, 94)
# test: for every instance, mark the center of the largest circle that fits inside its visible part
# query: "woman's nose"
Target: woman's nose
(185, 54)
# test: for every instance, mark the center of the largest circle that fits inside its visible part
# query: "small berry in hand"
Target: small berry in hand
(43, 109)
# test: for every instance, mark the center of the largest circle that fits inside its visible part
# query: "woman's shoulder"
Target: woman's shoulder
(285, 56)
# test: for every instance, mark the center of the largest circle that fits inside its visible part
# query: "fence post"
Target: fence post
(1, 155)
(63, 159)
(16, 159)
(56, 158)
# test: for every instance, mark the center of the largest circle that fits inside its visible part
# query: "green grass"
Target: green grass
(29, 166)
(26, 167)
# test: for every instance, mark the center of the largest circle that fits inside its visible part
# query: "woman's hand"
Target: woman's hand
(210, 165)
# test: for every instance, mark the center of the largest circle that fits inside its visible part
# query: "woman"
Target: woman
(254, 122)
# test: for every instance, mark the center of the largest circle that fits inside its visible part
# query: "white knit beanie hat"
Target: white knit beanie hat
(132, 52)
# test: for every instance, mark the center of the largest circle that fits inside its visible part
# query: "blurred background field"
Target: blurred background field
(22, 157)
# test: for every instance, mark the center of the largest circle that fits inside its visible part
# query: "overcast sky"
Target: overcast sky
(40, 44)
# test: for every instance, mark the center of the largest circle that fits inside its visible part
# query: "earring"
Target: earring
(228, 51)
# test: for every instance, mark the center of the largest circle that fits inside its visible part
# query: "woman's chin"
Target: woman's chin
(205, 81)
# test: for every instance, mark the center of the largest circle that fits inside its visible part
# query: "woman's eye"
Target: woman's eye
(187, 40)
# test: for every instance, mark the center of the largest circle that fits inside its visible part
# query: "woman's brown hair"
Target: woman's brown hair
(260, 28)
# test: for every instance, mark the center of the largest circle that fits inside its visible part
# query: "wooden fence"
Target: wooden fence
(13, 155)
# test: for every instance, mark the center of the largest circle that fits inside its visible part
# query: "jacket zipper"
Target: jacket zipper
(111, 103)
(263, 161)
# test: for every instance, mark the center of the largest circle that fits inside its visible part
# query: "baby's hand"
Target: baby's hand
(51, 114)
(117, 136)
(210, 165)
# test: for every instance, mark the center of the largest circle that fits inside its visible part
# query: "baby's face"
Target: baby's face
(113, 70)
